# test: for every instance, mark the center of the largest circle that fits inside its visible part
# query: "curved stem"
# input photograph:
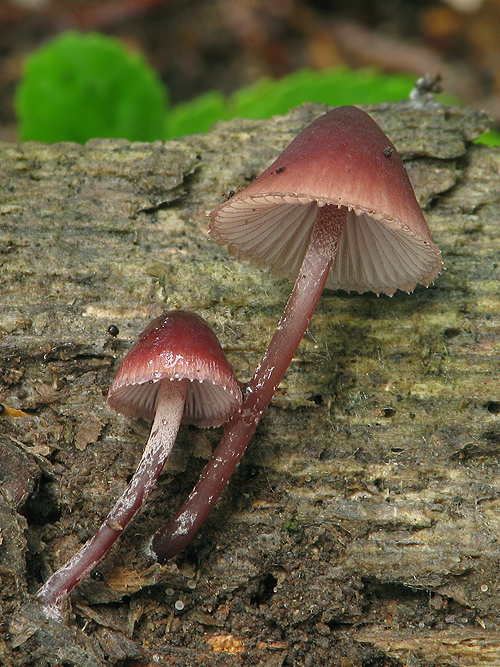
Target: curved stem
(325, 236)
(169, 411)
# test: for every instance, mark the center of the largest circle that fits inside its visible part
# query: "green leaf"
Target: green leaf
(337, 86)
(268, 97)
(490, 138)
(81, 86)
(195, 116)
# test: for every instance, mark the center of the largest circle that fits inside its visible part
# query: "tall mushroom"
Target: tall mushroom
(175, 373)
(335, 209)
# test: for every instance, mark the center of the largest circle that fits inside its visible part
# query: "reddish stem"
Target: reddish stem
(170, 408)
(325, 236)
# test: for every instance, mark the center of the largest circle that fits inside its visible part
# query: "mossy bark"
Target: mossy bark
(363, 522)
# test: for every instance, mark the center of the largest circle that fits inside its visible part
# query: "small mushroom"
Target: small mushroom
(175, 373)
(335, 209)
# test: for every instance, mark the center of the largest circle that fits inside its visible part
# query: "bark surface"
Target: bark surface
(362, 525)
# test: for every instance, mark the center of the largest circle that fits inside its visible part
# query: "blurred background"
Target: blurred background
(197, 46)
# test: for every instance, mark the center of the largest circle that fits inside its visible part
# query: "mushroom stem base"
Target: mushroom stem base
(311, 279)
(169, 411)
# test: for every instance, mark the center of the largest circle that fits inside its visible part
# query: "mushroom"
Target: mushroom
(335, 209)
(175, 373)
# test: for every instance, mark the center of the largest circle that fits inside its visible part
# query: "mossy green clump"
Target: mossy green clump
(80, 86)
(291, 526)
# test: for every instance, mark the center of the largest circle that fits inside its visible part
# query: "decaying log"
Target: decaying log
(363, 523)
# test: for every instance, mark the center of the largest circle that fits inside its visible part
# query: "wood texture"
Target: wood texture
(363, 524)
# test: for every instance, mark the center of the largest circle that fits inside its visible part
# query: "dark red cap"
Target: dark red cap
(175, 346)
(342, 158)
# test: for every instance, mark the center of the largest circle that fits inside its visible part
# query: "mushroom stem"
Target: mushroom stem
(320, 254)
(169, 410)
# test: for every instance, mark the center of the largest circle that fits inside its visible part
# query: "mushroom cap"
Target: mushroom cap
(343, 158)
(175, 346)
